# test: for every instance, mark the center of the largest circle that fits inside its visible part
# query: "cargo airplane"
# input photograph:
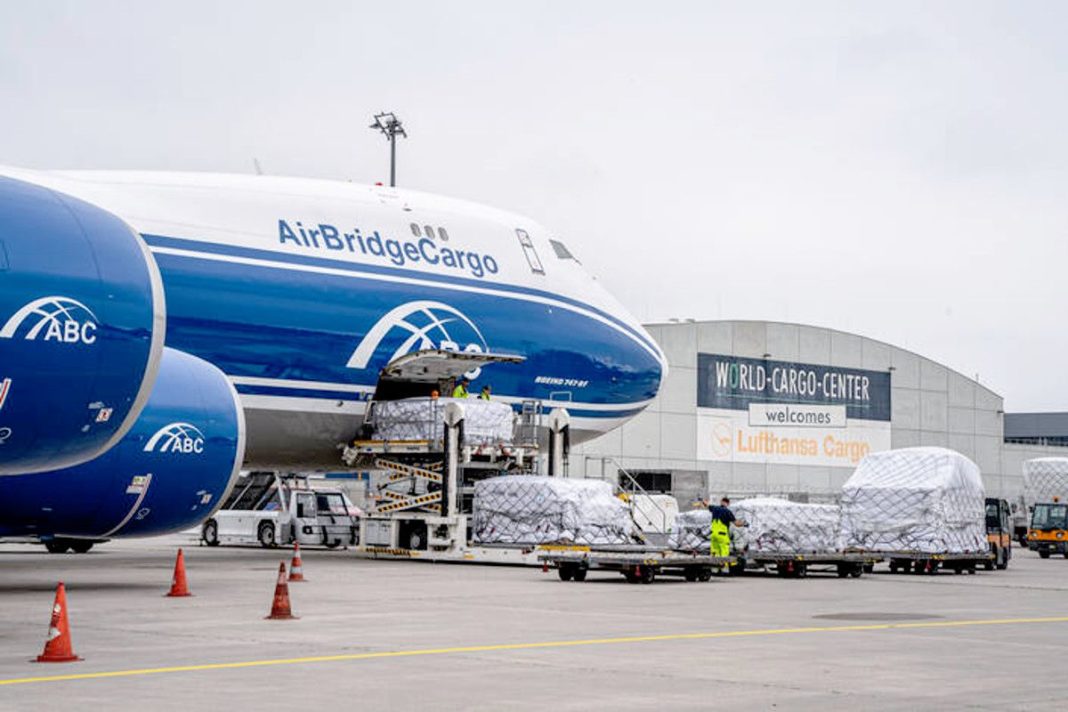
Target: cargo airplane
(160, 331)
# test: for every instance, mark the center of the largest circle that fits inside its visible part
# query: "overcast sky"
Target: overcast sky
(898, 170)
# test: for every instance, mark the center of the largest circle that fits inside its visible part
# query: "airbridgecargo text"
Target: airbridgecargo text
(327, 238)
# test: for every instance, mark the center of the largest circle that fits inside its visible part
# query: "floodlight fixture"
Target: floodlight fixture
(391, 127)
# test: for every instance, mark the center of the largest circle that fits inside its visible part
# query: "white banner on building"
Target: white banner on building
(765, 415)
(788, 433)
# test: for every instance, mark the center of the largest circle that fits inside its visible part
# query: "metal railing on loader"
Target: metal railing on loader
(666, 520)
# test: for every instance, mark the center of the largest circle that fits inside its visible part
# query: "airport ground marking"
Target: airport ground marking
(347, 657)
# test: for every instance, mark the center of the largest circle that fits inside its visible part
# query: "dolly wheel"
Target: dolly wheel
(647, 573)
(565, 572)
(843, 570)
(580, 573)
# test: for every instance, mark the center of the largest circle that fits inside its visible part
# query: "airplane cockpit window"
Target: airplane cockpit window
(443, 235)
(561, 250)
(415, 229)
(529, 252)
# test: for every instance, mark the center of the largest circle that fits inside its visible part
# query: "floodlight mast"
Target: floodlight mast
(391, 127)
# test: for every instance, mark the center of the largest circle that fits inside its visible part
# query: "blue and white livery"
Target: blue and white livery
(301, 291)
(82, 326)
(170, 471)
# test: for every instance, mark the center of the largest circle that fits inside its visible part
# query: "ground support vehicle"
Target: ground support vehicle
(429, 461)
(429, 452)
(999, 532)
(424, 509)
(929, 563)
(272, 510)
(1048, 533)
(637, 564)
(797, 565)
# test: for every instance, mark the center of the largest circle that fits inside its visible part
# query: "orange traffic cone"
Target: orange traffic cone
(58, 648)
(179, 587)
(280, 610)
(296, 567)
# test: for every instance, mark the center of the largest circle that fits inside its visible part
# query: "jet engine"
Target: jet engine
(171, 471)
(82, 322)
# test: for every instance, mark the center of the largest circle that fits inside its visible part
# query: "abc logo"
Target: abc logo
(57, 319)
(177, 438)
(418, 326)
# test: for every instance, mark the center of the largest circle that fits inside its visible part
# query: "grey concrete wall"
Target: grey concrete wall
(930, 403)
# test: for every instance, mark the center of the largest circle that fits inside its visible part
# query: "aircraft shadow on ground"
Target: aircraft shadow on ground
(14, 587)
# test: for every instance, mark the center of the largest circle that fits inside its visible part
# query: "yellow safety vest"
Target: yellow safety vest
(459, 392)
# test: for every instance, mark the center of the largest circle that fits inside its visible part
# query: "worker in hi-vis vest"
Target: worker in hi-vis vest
(461, 388)
(720, 532)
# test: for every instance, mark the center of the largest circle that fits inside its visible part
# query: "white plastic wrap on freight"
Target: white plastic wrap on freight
(692, 531)
(485, 422)
(777, 526)
(523, 509)
(1045, 478)
(925, 499)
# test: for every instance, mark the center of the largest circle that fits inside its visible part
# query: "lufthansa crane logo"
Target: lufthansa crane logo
(181, 438)
(417, 326)
(59, 319)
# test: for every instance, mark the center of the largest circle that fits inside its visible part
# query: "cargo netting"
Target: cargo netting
(777, 526)
(692, 531)
(485, 422)
(928, 500)
(1045, 478)
(525, 509)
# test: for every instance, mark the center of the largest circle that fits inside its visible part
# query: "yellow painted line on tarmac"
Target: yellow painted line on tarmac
(525, 646)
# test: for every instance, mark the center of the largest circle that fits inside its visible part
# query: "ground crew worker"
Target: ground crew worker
(485, 394)
(461, 389)
(720, 533)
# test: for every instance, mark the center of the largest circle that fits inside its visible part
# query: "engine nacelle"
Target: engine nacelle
(170, 472)
(82, 322)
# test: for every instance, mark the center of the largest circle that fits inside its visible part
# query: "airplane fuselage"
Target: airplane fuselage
(301, 291)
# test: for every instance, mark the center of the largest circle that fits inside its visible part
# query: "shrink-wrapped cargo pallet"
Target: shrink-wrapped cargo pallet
(926, 499)
(778, 526)
(523, 509)
(485, 422)
(691, 532)
(1045, 478)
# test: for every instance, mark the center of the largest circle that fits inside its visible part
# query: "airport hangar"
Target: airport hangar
(789, 409)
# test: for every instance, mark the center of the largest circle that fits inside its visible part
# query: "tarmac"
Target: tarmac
(389, 635)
